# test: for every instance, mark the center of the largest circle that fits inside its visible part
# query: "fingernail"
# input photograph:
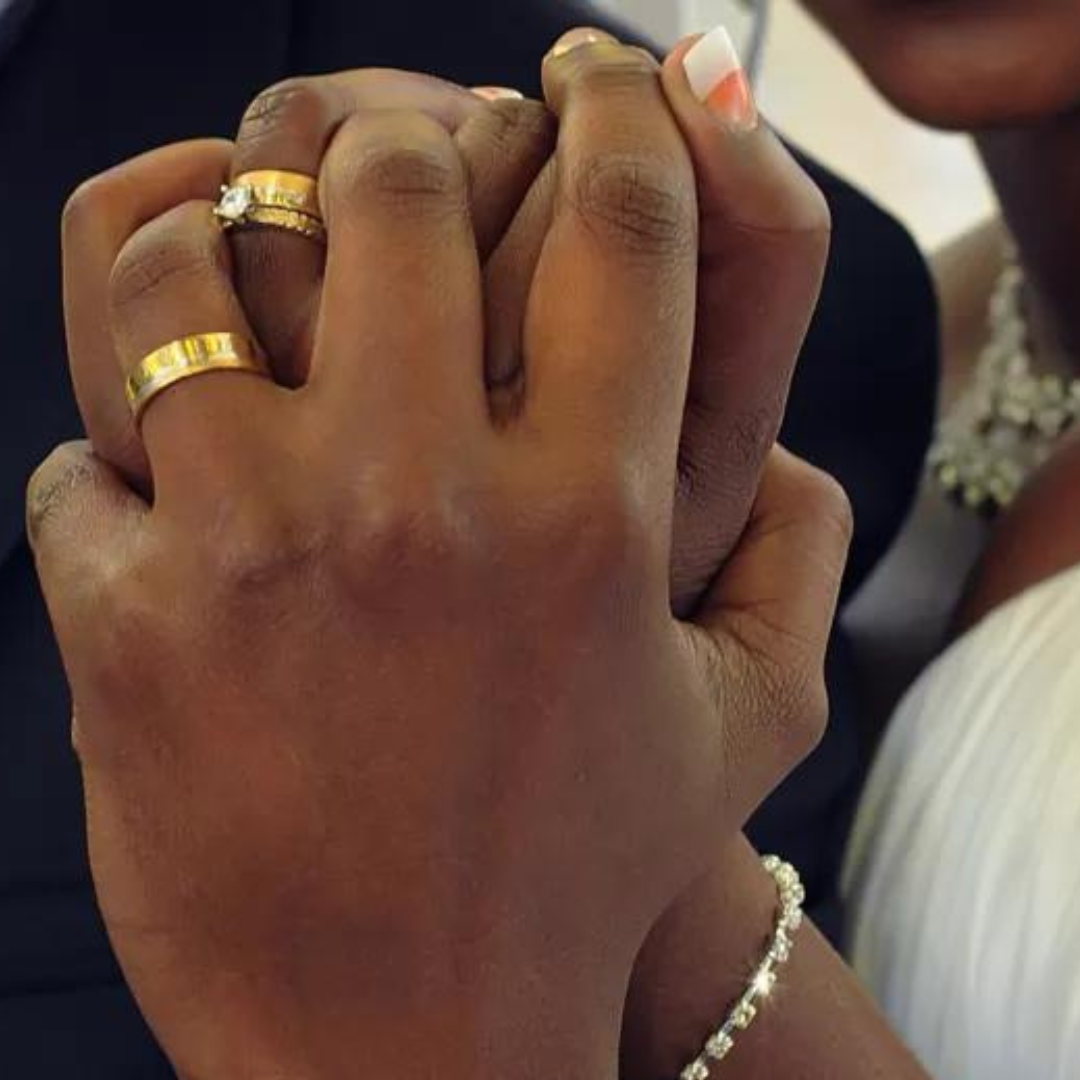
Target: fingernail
(575, 39)
(719, 82)
(498, 93)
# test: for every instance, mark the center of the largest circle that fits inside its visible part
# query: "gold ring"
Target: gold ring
(275, 217)
(195, 355)
(293, 199)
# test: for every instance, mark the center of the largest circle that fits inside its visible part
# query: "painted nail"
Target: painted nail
(498, 93)
(719, 82)
(575, 39)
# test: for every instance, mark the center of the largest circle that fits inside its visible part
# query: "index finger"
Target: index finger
(611, 316)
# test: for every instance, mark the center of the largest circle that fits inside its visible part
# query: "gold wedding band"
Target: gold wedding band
(274, 217)
(183, 359)
(272, 198)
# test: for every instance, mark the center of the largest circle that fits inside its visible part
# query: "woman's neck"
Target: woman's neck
(1036, 172)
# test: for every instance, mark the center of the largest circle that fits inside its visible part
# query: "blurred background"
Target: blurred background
(818, 98)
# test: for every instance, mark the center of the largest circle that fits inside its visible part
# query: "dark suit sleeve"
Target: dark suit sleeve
(487, 42)
(863, 402)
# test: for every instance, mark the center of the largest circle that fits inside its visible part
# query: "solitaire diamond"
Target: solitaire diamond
(235, 203)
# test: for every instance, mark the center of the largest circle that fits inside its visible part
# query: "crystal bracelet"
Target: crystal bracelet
(789, 918)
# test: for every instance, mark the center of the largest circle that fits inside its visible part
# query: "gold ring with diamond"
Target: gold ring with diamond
(272, 198)
(185, 358)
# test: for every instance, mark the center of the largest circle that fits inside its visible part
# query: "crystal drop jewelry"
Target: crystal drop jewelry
(1008, 422)
(789, 918)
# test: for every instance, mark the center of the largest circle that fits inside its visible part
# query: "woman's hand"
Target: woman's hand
(368, 699)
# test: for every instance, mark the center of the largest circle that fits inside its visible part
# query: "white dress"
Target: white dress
(963, 875)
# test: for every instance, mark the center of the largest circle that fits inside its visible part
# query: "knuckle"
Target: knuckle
(638, 200)
(508, 125)
(787, 695)
(51, 487)
(598, 525)
(160, 254)
(831, 508)
(791, 209)
(268, 548)
(801, 710)
(609, 71)
(809, 225)
(410, 165)
(779, 684)
(798, 206)
(86, 207)
(817, 214)
(296, 103)
(411, 527)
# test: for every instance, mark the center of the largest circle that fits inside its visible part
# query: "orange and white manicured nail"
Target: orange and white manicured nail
(719, 82)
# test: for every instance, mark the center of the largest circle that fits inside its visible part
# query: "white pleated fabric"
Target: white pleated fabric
(963, 876)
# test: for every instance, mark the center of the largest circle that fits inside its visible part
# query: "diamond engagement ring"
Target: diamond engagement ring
(272, 199)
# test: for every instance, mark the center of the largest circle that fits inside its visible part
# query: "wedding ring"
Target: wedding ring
(272, 198)
(275, 217)
(183, 359)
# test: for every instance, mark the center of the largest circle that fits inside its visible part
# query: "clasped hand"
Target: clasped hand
(394, 751)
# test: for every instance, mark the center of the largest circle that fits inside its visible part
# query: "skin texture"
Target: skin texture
(1039, 538)
(964, 64)
(326, 828)
(818, 1024)
(1036, 173)
(1005, 70)
(1008, 71)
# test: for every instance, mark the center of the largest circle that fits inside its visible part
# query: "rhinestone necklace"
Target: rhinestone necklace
(1007, 423)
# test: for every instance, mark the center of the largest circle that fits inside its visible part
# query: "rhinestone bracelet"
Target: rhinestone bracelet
(789, 918)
